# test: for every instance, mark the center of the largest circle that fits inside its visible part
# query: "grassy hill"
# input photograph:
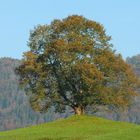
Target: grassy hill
(76, 128)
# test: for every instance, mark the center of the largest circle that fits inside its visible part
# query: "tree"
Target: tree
(71, 63)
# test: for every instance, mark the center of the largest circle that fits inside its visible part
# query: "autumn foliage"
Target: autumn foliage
(72, 63)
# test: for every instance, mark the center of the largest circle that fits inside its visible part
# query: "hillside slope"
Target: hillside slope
(76, 128)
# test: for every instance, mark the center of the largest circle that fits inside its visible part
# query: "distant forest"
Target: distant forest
(15, 110)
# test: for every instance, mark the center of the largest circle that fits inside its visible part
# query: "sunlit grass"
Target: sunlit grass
(76, 128)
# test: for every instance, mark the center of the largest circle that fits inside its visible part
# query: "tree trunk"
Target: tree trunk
(79, 111)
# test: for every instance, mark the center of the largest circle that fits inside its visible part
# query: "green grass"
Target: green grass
(76, 128)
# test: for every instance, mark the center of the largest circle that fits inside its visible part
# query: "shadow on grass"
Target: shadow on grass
(63, 138)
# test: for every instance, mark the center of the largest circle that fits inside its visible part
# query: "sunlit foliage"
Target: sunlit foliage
(72, 63)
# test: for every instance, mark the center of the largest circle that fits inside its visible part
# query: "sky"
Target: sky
(121, 19)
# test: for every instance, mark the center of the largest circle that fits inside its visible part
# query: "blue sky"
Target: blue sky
(121, 19)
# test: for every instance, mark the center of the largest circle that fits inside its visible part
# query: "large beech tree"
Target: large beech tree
(71, 63)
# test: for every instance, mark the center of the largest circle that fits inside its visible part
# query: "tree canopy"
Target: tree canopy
(71, 62)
